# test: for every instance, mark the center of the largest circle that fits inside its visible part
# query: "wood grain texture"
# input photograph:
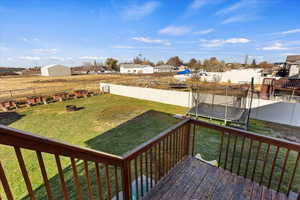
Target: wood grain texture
(24, 173)
(193, 179)
(99, 181)
(61, 177)
(107, 181)
(88, 180)
(76, 179)
(44, 175)
(5, 184)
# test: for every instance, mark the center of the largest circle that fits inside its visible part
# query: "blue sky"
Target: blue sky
(71, 32)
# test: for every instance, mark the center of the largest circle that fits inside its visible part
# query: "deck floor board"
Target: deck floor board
(195, 180)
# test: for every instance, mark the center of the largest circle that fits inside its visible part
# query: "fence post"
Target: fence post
(187, 137)
(125, 180)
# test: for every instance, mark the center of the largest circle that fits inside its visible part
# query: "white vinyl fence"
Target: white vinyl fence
(279, 112)
(163, 96)
(267, 110)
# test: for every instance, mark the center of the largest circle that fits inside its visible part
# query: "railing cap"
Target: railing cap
(18, 138)
(255, 136)
(150, 142)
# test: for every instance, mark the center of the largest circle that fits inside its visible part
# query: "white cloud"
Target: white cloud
(288, 32)
(122, 47)
(137, 12)
(31, 40)
(240, 5)
(276, 46)
(221, 42)
(256, 57)
(288, 54)
(196, 4)
(203, 32)
(238, 18)
(44, 51)
(30, 58)
(92, 58)
(151, 41)
(295, 42)
(3, 48)
(243, 11)
(57, 58)
(174, 30)
(236, 40)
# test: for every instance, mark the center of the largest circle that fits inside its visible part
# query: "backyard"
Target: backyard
(21, 86)
(108, 123)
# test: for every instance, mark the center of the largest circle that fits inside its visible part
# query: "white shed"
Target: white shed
(56, 70)
(163, 68)
(136, 69)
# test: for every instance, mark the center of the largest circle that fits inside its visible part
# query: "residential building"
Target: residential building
(163, 68)
(136, 69)
(293, 63)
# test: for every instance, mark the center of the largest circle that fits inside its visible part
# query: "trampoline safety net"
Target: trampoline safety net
(230, 104)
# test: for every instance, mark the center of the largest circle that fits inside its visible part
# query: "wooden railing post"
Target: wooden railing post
(125, 179)
(187, 138)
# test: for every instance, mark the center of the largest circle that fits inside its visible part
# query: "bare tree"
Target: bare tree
(111, 64)
(175, 61)
(160, 63)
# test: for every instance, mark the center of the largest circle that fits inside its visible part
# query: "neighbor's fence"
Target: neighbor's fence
(170, 96)
(268, 161)
(267, 110)
(279, 112)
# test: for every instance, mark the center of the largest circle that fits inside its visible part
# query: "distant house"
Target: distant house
(237, 76)
(294, 69)
(163, 68)
(293, 63)
(56, 70)
(136, 69)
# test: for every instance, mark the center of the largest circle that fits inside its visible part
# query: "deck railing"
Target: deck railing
(266, 160)
(41, 146)
(271, 162)
(153, 160)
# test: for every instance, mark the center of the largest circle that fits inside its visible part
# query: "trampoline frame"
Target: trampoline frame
(240, 122)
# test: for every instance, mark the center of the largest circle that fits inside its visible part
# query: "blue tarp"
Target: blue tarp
(186, 71)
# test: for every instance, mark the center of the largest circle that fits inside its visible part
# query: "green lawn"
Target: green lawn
(109, 123)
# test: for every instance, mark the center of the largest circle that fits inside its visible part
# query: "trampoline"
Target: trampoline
(219, 112)
(230, 104)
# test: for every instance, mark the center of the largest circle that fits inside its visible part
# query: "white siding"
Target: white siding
(136, 70)
(294, 70)
(240, 75)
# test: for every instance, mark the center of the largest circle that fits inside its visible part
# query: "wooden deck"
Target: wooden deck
(195, 180)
